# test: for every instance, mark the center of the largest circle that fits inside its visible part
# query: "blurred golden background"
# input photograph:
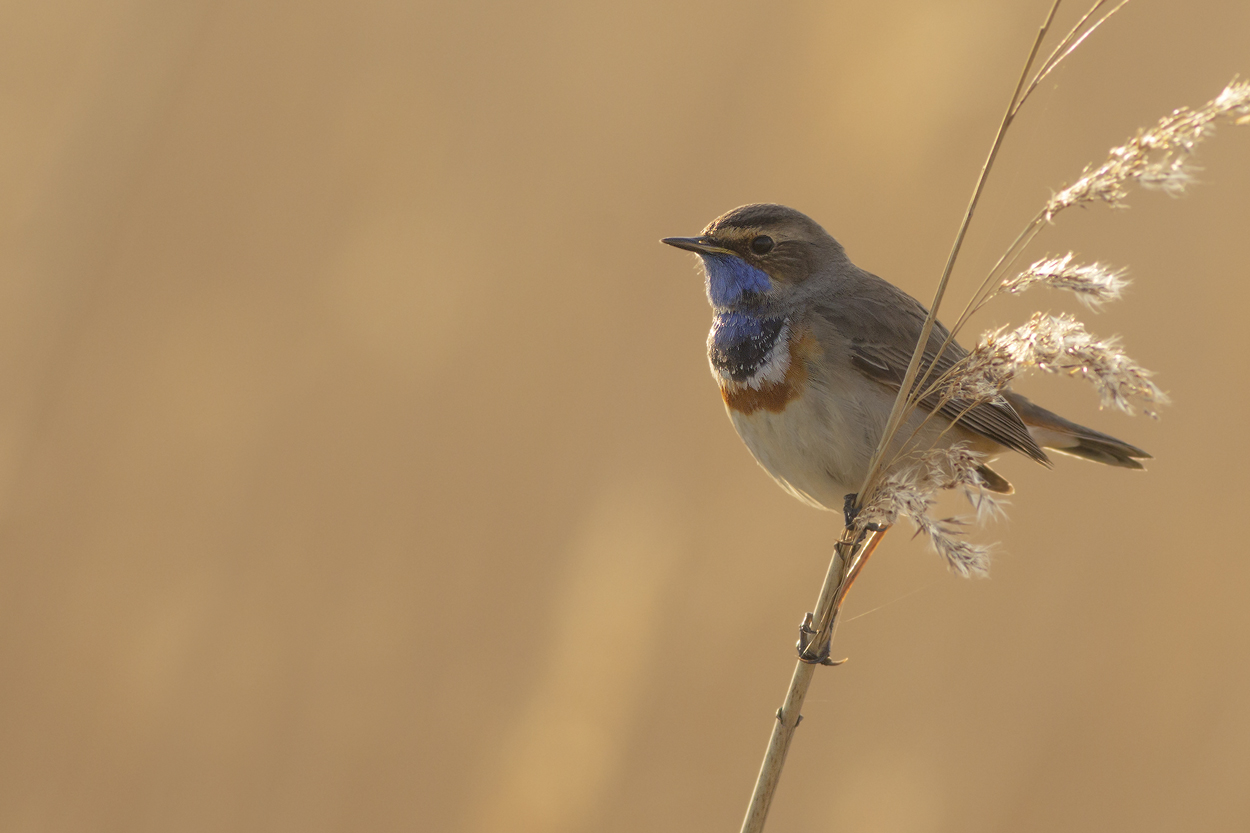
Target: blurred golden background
(360, 467)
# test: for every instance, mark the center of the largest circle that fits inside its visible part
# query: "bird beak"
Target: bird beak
(698, 245)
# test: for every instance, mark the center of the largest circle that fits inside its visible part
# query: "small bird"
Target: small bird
(810, 351)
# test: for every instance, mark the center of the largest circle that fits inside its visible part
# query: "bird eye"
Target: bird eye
(762, 245)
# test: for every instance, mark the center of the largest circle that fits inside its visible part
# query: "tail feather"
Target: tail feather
(995, 482)
(1101, 452)
(1053, 431)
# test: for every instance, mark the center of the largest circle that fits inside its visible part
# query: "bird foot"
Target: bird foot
(806, 633)
(850, 513)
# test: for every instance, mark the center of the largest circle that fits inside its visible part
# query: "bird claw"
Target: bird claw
(850, 513)
(806, 632)
(848, 509)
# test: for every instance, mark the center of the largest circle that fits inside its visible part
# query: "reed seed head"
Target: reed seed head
(1093, 284)
(1158, 157)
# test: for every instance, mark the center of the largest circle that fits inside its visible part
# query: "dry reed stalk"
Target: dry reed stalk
(849, 556)
(907, 484)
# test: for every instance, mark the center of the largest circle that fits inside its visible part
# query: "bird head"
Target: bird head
(759, 255)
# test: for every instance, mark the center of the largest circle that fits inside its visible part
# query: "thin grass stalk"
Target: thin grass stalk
(1161, 136)
(1065, 48)
(921, 389)
(1069, 44)
(855, 546)
(982, 294)
(849, 557)
(857, 543)
(904, 393)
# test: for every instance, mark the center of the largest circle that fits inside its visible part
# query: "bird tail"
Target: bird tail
(1050, 430)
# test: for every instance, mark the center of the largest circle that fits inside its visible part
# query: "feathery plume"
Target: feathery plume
(910, 491)
(1093, 284)
(1155, 158)
(1058, 344)
(1158, 157)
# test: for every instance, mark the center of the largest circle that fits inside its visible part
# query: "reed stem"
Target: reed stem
(849, 556)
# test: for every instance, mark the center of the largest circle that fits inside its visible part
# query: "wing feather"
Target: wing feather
(882, 324)
(995, 419)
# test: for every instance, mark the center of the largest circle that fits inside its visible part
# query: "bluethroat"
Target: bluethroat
(810, 351)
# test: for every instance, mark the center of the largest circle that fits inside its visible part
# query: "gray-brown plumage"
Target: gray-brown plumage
(829, 344)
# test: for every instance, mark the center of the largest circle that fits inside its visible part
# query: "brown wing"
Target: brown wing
(996, 419)
(882, 324)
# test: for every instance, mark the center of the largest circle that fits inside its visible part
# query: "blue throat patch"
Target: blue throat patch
(740, 339)
(740, 342)
(729, 278)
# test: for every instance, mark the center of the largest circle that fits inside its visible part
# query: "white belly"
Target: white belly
(819, 447)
